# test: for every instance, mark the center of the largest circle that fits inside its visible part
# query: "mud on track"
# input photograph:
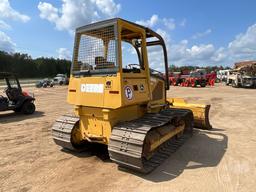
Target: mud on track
(218, 160)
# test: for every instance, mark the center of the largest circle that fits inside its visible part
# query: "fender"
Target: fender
(25, 99)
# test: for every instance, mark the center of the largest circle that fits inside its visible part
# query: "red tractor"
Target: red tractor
(211, 78)
(177, 78)
(174, 78)
(199, 77)
(195, 78)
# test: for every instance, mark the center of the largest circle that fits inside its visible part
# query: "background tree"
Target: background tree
(25, 67)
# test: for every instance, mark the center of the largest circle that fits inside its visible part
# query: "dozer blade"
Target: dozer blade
(200, 112)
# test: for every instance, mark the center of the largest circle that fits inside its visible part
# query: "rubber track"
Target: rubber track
(61, 131)
(127, 139)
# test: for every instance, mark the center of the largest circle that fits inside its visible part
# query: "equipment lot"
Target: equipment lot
(219, 160)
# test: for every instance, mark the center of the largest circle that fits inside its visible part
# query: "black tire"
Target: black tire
(17, 110)
(203, 84)
(234, 84)
(28, 108)
(195, 84)
(61, 83)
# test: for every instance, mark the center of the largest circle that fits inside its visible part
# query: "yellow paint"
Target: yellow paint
(200, 111)
(166, 137)
(98, 122)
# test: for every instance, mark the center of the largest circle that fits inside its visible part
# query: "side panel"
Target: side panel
(112, 92)
(86, 91)
(96, 123)
(103, 92)
(135, 90)
(158, 90)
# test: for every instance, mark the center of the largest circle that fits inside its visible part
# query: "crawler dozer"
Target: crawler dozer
(123, 105)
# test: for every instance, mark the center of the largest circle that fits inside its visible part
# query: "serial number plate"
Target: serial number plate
(92, 88)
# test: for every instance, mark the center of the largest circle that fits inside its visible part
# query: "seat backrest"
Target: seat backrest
(100, 60)
(13, 94)
(102, 63)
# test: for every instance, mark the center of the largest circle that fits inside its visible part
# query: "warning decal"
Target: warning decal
(128, 92)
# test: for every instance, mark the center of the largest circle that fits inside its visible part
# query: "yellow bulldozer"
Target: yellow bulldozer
(123, 105)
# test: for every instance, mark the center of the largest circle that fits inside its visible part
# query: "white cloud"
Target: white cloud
(241, 48)
(154, 20)
(201, 51)
(169, 23)
(244, 43)
(47, 11)
(149, 23)
(183, 23)
(220, 55)
(203, 34)
(178, 51)
(108, 7)
(8, 12)
(4, 25)
(64, 53)
(183, 54)
(6, 44)
(73, 14)
(165, 35)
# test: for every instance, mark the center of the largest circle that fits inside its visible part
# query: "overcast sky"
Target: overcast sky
(197, 32)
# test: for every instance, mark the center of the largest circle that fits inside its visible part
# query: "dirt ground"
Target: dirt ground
(223, 159)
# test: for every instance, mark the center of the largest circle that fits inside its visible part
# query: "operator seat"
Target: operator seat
(13, 94)
(102, 63)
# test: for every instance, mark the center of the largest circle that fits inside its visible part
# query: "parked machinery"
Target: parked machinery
(243, 75)
(124, 105)
(175, 78)
(44, 83)
(60, 79)
(222, 75)
(211, 78)
(195, 78)
(15, 99)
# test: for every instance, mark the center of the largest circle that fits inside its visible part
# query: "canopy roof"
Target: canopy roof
(95, 27)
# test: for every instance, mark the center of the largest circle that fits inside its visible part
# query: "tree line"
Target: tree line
(24, 66)
(173, 68)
